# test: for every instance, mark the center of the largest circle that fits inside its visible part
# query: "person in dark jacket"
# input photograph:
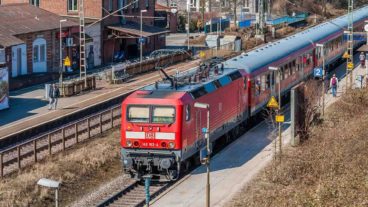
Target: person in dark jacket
(54, 94)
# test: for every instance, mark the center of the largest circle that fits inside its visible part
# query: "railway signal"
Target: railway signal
(206, 132)
(273, 103)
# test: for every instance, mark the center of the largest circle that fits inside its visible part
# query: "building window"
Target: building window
(110, 5)
(35, 54)
(137, 4)
(34, 2)
(147, 3)
(72, 5)
(42, 53)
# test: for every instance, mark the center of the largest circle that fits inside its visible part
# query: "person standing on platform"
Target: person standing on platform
(334, 84)
(362, 59)
(54, 94)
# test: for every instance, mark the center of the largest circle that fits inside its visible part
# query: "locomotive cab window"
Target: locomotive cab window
(187, 113)
(163, 114)
(138, 114)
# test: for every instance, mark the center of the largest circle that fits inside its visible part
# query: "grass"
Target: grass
(328, 169)
(79, 169)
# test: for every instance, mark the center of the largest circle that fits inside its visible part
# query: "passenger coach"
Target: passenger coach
(161, 129)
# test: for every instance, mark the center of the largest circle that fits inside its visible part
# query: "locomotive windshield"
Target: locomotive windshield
(139, 114)
(162, 114)
(151, 114)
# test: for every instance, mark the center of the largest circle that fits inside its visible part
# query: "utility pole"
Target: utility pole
(235, 15)
(82, 44)
(350, 42)
(188, 29)
(261, 19)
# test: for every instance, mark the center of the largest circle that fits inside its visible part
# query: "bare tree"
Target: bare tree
(311, 106)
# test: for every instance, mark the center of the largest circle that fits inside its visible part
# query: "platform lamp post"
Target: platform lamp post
(366, 53)
(188, 32)
(207, 136)
(322, 46)
(141, 42)
(61, 54)
(279, 109)
(53, 185)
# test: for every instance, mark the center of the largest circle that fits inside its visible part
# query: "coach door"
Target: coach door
(198, 123)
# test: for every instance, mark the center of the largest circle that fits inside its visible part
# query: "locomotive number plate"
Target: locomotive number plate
(150, 135)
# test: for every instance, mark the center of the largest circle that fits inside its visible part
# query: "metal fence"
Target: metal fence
(32, 151)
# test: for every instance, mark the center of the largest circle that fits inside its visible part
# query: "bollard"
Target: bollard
(147, 183)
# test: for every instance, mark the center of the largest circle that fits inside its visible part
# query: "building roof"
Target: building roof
(133, 29)
(16, 19)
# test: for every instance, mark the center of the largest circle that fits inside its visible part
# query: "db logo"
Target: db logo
(150, 135)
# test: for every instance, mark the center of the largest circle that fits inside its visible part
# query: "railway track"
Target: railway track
(133, 195)
(25, 150)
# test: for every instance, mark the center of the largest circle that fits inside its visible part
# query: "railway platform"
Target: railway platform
(30, 109)
(238, 163)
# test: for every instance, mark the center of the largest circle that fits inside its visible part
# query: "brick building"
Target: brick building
(113, 34)
(30, 38)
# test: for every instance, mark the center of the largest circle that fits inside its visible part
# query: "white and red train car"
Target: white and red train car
(160, 128)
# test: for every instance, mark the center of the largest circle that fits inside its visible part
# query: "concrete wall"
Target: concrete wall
(95, 32)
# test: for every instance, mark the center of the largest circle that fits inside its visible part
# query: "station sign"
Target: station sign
(272, 103)
(280, 118)
(318, 72)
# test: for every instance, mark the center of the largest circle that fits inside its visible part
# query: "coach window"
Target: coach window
(138, 114)
(268, 81)
(245, 83)
(291, 69)
(258, 86)
(263, 82)
(286, 71)
(282, 70)
(163, 114)
(187, 112)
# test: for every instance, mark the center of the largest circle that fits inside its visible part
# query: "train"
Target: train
(162, 130)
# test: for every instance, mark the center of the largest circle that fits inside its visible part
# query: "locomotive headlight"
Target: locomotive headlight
(171, 145)
(129, 143)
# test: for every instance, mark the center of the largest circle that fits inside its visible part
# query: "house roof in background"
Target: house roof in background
(16, 19)
(132, 28)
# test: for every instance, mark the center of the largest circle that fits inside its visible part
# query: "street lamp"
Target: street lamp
(53, 185)
(279, 109)
(141, 42)
(207, 136)
(366, 54)
(61, 55)
(322, 46)
(188, 10)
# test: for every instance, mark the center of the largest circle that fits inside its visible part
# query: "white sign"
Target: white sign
(366, 27)
(173, 10)
(4, 88)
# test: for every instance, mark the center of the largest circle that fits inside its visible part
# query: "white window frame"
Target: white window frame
(71, 6)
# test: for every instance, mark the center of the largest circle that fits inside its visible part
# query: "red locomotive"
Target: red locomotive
(161, 130)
